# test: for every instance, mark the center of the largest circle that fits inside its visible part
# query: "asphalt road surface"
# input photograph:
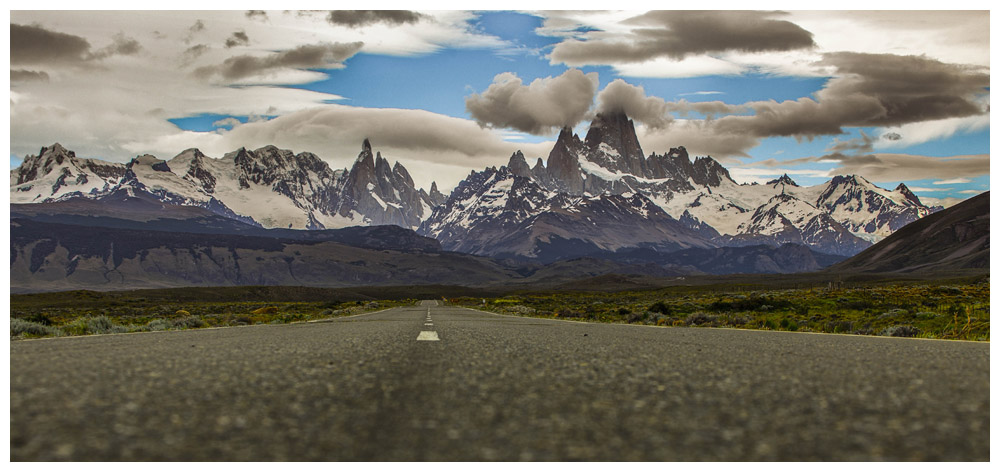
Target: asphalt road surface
(441, 383)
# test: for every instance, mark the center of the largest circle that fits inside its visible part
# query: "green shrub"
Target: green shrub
(19, 327)
(660, 307)
(770, 324)
(700, 318)
(189, 322)
(158, 324)
(635, 317)
(900, 331)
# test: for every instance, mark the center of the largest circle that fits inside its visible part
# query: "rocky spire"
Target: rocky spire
(518, 166)
(612, 144)
(564, 162)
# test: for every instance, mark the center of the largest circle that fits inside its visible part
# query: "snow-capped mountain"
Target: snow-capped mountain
(842, 216)
(500, 213)
(56, 173)
(271, 187)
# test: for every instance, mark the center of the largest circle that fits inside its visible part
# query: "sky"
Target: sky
(895, 96)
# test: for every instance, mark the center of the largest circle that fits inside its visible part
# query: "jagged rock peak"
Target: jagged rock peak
(518, 166)
(56, 148)
(617, 131)
(907, 193)
(784, 180)
(366, 146)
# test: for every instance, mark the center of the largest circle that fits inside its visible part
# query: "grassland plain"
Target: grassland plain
(940, 310)
(955, 308)
(83, 312)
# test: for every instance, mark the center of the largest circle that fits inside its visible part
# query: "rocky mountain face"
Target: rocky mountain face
(497, 212)
(56, 173)
(954, 239)
(270, 187)
(508, 210)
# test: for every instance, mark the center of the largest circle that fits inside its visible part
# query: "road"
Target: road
(441, 383)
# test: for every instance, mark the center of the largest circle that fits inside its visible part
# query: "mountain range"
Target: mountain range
(268, 187)
(594, 195)
(601, 194)
(596, 205)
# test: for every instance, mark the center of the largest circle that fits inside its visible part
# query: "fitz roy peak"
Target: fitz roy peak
(270, 187)
(663, 201)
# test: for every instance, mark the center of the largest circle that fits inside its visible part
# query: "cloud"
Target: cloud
(121, 46)
(432, 146)
(229, 122)
(960, 180)
(678, 34)
(193, 52)
(358, 18)
(537, 108)
(709, 109)
(884, 167)
(324, 55)
(908, 88)
(194, 29)
(238, 38)
(869, 90)
(753, 174)
(863, 144)
(259, 15)
(28, 76)
(701, 92)
(698, 137)
(620, 96)
(33, 44)
(917, 133)
(946, 202)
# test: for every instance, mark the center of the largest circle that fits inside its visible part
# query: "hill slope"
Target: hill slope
(954, 239)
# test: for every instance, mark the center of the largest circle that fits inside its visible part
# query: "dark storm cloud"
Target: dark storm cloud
(238, 38)
(678, 34)
(909, 88)
(620, 96)
(28, 76)
(869, 90)
(358, 18)
(121, 46)
(32, 44)
(323, 55)
(536, 108)
(260, 15)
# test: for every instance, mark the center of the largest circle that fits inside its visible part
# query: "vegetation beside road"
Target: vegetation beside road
(83, 312)
(941, 310)
(957, 308)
